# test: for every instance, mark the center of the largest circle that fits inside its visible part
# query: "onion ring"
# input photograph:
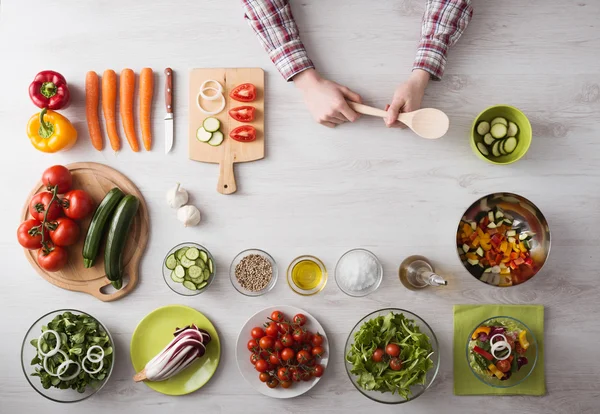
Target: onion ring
(91, 372)
(213, 97)
(56, 348)
(221, 107)
(217, 83)
(62, 370)
(99, 355)
(500, 335)
(45, 365)
(501, 346)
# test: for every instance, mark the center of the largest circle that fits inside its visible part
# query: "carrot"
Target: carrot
(109, 107)
(146, 91)
(92, 97)
(126, 90)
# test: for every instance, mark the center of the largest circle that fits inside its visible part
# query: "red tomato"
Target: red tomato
(29, 239)
(306, 375)
(59, 176)
(39, 204)
(264, 377)
(266, 342)
(284, 327)
(286, 384)
(77, 204)
(307, 347)
(244, 133)
(503, 366)
(278, 345)
(296, 376)
(298, 335)
(319, 370)
(377, 355)
(66, 232)
(299, 319)
(287, 340)
(302, 357)
(242, 113)
(277, 316)
(318, 352)
(272, 330)
(257, 332)
(392, 350)
(246, 92)
(252, 345)
(53, 261)
(275, 358)
(272, 383)
(261, 365)
(284, 374)
(308, 337)
(395, 364)
(287, 354)
(254, 358)
(317, 339)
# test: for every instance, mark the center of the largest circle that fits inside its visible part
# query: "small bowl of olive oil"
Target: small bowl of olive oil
(307, 275)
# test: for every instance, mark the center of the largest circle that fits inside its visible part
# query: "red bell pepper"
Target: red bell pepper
(519, 261)
(529, 262)
(49, 90)
(483, 353)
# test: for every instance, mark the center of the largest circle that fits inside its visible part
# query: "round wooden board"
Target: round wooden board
(97, 180)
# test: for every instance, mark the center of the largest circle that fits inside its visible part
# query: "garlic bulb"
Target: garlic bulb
(188, 215)
(177, 196)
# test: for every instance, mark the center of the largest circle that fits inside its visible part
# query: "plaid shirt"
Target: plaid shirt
(272, 21)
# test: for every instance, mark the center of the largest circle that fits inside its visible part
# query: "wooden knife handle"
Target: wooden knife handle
(169, 90)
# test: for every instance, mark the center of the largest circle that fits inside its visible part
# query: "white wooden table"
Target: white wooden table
(323, 191)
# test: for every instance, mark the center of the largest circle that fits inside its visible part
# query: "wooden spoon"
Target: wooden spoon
(427, 123)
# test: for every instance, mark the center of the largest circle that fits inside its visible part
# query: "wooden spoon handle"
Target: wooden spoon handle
(369, 110)
(140, 376)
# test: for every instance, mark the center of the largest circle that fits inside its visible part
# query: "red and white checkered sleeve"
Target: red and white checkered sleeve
(273, 23)
(444, 22)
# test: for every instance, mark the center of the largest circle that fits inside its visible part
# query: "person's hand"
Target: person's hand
(407, 97)
(326, 100)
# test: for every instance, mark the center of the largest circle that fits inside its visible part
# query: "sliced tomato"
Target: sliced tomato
(244, 133)
(242, 113)
(246, 92)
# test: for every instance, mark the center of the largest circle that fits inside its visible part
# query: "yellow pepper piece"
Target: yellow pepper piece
(472, 256)
(523, 339)
(503, 246)
(476, 241)
(485, 245)
(484, 329)
(505, 271)
(480, 232)
(49, 131)
(522, 247)
(467, 230)
(496, 371)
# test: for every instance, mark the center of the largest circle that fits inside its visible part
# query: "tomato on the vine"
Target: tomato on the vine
(396, 364)
(272, 330)
(261, 365)
(296, 376)
(254, 358)
(257, 332)
(28, 238)
(77, 204)
(307, 347)
(288, 354)
(284, 327)
(299, 319)
(298, 335)
(278, 345)
(63, 231)
(58, 175)
(286, 384)
(277, 316)
(264, 377)
(266, 342)
(317, 339)
(275, 358)
(284, 374)
(252, 345)
(302, 357)
(53, 260)
(318, 351)
(272, 383)
(306, 375)
(318, 370)
(40, 203)
(287, 340)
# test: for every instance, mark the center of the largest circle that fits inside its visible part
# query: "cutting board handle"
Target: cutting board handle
(226, 183)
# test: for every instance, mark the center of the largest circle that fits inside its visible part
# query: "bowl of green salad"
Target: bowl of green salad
(502, 351)
(392, 356)
(67, 355)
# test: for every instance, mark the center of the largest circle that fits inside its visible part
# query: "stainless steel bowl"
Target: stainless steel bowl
(526, 216)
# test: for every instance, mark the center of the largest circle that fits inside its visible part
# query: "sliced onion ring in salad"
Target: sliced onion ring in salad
(95, 357)
(217, 93)
(62, 368)
(218, 85)
(498, 335)
(56, 348)
(90, 371)
(45, 363)
(220, 109)
(501, 346)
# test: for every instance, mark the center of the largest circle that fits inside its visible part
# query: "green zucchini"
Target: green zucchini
(96, 229)
(118, 233)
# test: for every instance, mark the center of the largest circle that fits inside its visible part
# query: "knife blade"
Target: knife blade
(169, 107)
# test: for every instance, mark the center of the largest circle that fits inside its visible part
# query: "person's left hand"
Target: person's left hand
(407, 97)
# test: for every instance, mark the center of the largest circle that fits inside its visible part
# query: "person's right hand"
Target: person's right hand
(326, 100)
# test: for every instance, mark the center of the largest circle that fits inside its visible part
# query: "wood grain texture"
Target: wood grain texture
(322, 191)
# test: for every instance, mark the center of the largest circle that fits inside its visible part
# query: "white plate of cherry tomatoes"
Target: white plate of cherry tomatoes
(282, 351)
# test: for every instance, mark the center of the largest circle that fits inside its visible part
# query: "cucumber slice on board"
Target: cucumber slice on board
(488, 139)
(510, 144)
(179, 271)
(483, 149)
(513, 129)
(483, 128)
(181, 252)
(211, 124)
(175, 278)
(195, 272)
(498, 131)
(190, 285)
(217, 139)
(203, 135)
(495, 149)
(499, 120)
(192, 253)
(171, 262)
(203, 256)
(187, 263)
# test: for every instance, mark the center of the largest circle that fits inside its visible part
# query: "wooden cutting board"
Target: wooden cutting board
(96, 180)
(230, 151)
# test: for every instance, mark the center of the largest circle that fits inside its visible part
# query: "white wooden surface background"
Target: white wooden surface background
(323, 191)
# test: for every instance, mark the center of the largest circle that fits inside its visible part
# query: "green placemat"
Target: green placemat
(465, 319)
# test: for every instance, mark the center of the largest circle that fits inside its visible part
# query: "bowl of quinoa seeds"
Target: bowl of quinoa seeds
(253, 272)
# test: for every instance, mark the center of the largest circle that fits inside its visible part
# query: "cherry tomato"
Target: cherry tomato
(286, 384)
(252, 345)
(302, 357)
(242, 113)
(284, 327)
(395, 364)
(244, 133)
(272, 383)
(306, 375)
(307, 347)
(275, 358)
(317, 339)
(296, 376)
(288, 354)
(272, 330)
(278, 345)
(287, 340)
(277, 316)
(39, 204)
(298, 335)
(261, 365)
(519, 348)
(263, 354)
(29, 239)
(77, 204)
(318, 370)
(392, 350)
(377, 355)
(246, 92)
(266, 342)
(257, 332)
(264, 377)
(66, 232)
(284, 374)
(254, 358)
(53, 261)
(318, 351)
(299, 319)
(503, 366)
(308, 337)
(58, 175)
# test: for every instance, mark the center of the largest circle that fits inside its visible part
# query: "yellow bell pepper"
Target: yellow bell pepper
(496, 371)
(485, 245)
(484, 329)
(503, 247)
(522, 247)
(476, 242)
(523, 339)
(467, 230)
(49, 131)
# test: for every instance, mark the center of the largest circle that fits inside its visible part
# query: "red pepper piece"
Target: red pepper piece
(483, 353)
(529, 262)
(49, 90)
(519, 261)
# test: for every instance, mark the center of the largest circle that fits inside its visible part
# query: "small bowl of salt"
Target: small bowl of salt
(358, 272)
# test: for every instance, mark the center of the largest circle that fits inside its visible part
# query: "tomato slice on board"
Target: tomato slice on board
(242, 113)
(244, 133)
(246, 92)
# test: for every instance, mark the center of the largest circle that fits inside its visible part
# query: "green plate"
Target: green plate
(155, 331)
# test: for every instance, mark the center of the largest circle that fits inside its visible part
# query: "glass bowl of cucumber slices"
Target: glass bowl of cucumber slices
(501, 134)
(189, 269)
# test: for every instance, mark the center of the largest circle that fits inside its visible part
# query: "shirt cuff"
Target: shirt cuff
(291, 59)
(431, 57)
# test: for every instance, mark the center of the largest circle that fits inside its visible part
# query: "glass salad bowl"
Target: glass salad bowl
(519, 364)
(79, 322)
(362, 369)
(189, 274)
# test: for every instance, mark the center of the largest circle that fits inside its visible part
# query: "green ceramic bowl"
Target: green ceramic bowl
(523, 136)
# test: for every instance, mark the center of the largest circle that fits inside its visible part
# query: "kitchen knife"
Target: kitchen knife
(169, 106)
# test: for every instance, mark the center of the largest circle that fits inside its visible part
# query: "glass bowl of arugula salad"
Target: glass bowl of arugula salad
(67, 355)
(502, 351)
(392, 356)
